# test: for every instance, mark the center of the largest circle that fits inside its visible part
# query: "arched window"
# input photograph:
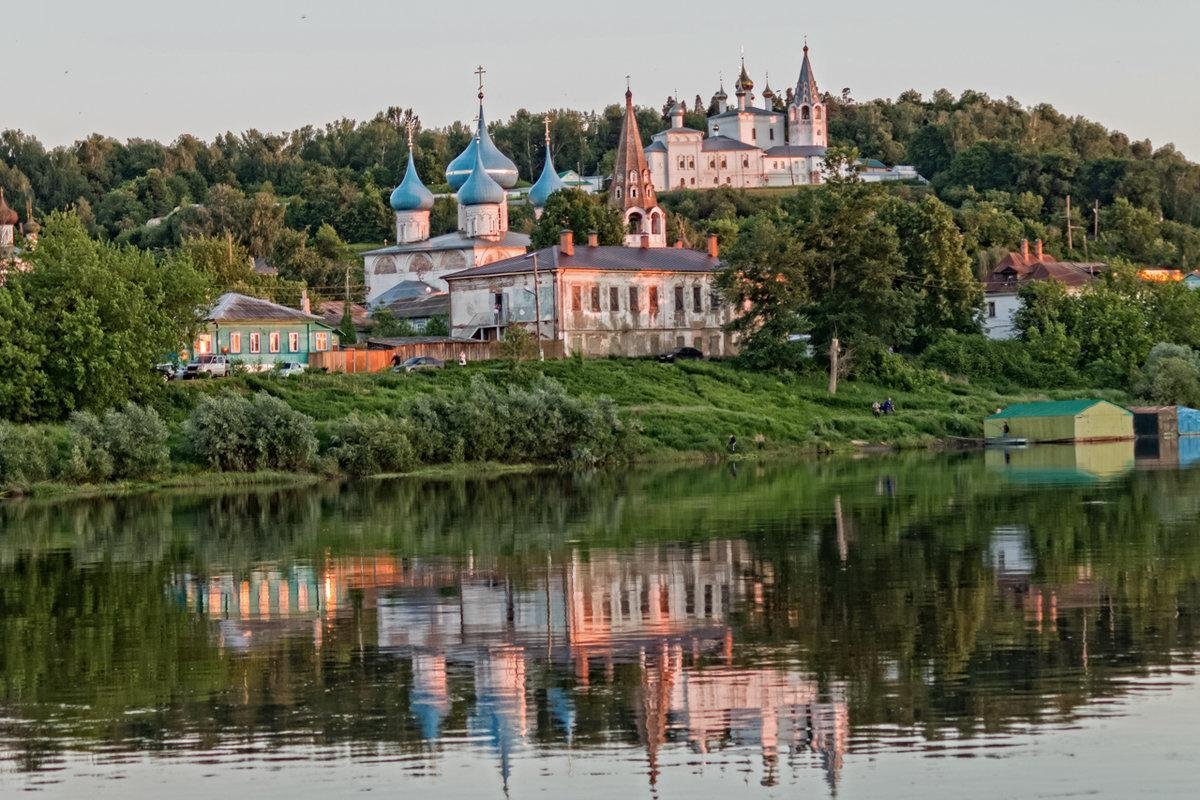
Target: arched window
(804, 112)
(724, 163)
(682, 163)
(712, 163)
(633, 176)
(817, 112)
(635, 223)
(655, 224)
(682, 182)
(745, 163)
(646, 175)
(633, 191)
(691, 163)
(618, 192)
(693, 181)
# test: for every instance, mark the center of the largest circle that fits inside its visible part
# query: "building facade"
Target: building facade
(1003, 285)
(598, 300)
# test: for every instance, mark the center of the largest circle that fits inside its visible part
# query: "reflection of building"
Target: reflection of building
(469, 634)
(1064, 464)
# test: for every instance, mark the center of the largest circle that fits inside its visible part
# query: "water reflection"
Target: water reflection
(790, 625)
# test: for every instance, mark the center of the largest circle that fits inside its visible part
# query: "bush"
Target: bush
(367, 445)
(29, 453)
(1171, 375)
(1008, 362)
(125, 443)
(232, 433)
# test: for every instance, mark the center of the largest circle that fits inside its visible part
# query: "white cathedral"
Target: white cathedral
(746, 146)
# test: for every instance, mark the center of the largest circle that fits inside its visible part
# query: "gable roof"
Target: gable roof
(721, 143)
(235, 307)
(1052, 408)
(604, 257)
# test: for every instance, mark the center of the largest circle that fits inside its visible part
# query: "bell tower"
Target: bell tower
(632, 190)
(807, 123)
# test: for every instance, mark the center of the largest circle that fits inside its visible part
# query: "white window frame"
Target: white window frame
(235, 342)
(321, 341)
(293, 341)
(256, 342)
(273, 341)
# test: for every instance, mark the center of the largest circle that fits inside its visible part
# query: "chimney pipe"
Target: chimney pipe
(593, 239)
(714, 249)
(679, 244)
(645, 241)
(1038, 245)
(1025, 250)
(305, 305)
(566, 243)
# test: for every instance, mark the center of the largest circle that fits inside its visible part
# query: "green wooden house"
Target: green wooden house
(260, 334)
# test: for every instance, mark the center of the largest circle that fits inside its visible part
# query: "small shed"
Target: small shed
(1155, 421)
(1062, 421)
(1165, 421)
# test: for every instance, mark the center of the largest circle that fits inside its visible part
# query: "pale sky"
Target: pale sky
(134, 68)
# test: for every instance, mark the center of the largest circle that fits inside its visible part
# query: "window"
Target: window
(203, 344)
(817, 112)
(595, 298)
(256, 343)
(655, 224)
(772, 136)
(682, 183)
(728, 180)
(745, 163)
(633, 191)
(679, 299)
(804, 112)
(991, 310)
(697, 303)
(614, 299)
(682, 163)
(653, 299)
(691, 163)
(633, 299)
(712, 163)
(693, 182)
(294, 342)
(618, 192)
(714, 300)
(716, 180)
(321, 341)
(235, 342)
(273, 341)
(576, 298)
(754, 134)
(635, 223)
(724, 163)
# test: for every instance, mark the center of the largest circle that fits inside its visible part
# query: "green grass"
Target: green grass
(686, 408)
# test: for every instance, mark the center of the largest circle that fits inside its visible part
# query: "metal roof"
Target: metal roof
(454, 240)
(232, 306)
(411, 194)
(1052, 408)
(796, 151)
(604, 257)
(724, 144)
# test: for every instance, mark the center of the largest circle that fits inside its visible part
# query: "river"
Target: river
(927, 626)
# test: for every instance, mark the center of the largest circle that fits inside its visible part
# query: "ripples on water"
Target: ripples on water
(881, 627)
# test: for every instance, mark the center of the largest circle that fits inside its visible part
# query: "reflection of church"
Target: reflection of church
(522, 653)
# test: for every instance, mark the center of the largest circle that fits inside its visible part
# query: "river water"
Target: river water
(983, 624)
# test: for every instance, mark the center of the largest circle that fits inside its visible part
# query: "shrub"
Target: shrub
(125, 443)
(1171, 375)
(29, 453)
(367, 445)
(232, 433)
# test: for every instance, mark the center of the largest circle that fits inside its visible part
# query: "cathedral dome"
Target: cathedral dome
(411, 194)
(499, 166)
(547, 183)
(480, 188)
(7, 215)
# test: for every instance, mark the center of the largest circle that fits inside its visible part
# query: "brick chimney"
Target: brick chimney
(645, 241)
(593, 239)
(566, 243)
(679, 244)
(305, 305)
(714, 249)
(1025, 250)
(1038, 249)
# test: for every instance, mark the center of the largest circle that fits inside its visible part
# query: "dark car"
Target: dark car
(681, 354)
(419, 363)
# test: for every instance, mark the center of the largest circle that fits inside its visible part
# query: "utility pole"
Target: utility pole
(1096, 219)
(537, 311)
(1070, 228)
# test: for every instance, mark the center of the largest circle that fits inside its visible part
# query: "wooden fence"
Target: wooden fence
(381, 359)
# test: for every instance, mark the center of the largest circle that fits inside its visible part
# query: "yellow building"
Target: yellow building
(1061, 421)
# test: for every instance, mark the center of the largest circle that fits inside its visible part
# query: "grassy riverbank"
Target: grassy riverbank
(680, 409)
(680, 412)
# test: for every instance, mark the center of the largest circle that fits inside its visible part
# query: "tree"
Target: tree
(106, 314)
(386, 325)
(580, 212)
(437, 326)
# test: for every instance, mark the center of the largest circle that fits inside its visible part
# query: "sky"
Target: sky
(132, 68)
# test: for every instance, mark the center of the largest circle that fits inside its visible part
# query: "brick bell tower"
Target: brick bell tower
(631, 189)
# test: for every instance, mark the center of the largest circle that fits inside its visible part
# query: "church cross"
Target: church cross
(480, 72)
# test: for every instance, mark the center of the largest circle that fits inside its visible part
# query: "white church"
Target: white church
(747, 146)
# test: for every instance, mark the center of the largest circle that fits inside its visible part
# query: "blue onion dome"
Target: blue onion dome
(411, 194)
(480, 187)
(498, 165)
(547, 183)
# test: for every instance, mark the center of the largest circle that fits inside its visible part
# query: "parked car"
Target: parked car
(209, 366)
(419, 363)
(289, 368)
(169, 371)
(681, 354)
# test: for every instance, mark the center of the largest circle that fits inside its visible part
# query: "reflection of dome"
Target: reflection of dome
(411, 194)
(502, 170)
(547, 184)
(480, 188)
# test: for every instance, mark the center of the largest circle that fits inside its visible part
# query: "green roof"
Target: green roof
(1048, 408)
